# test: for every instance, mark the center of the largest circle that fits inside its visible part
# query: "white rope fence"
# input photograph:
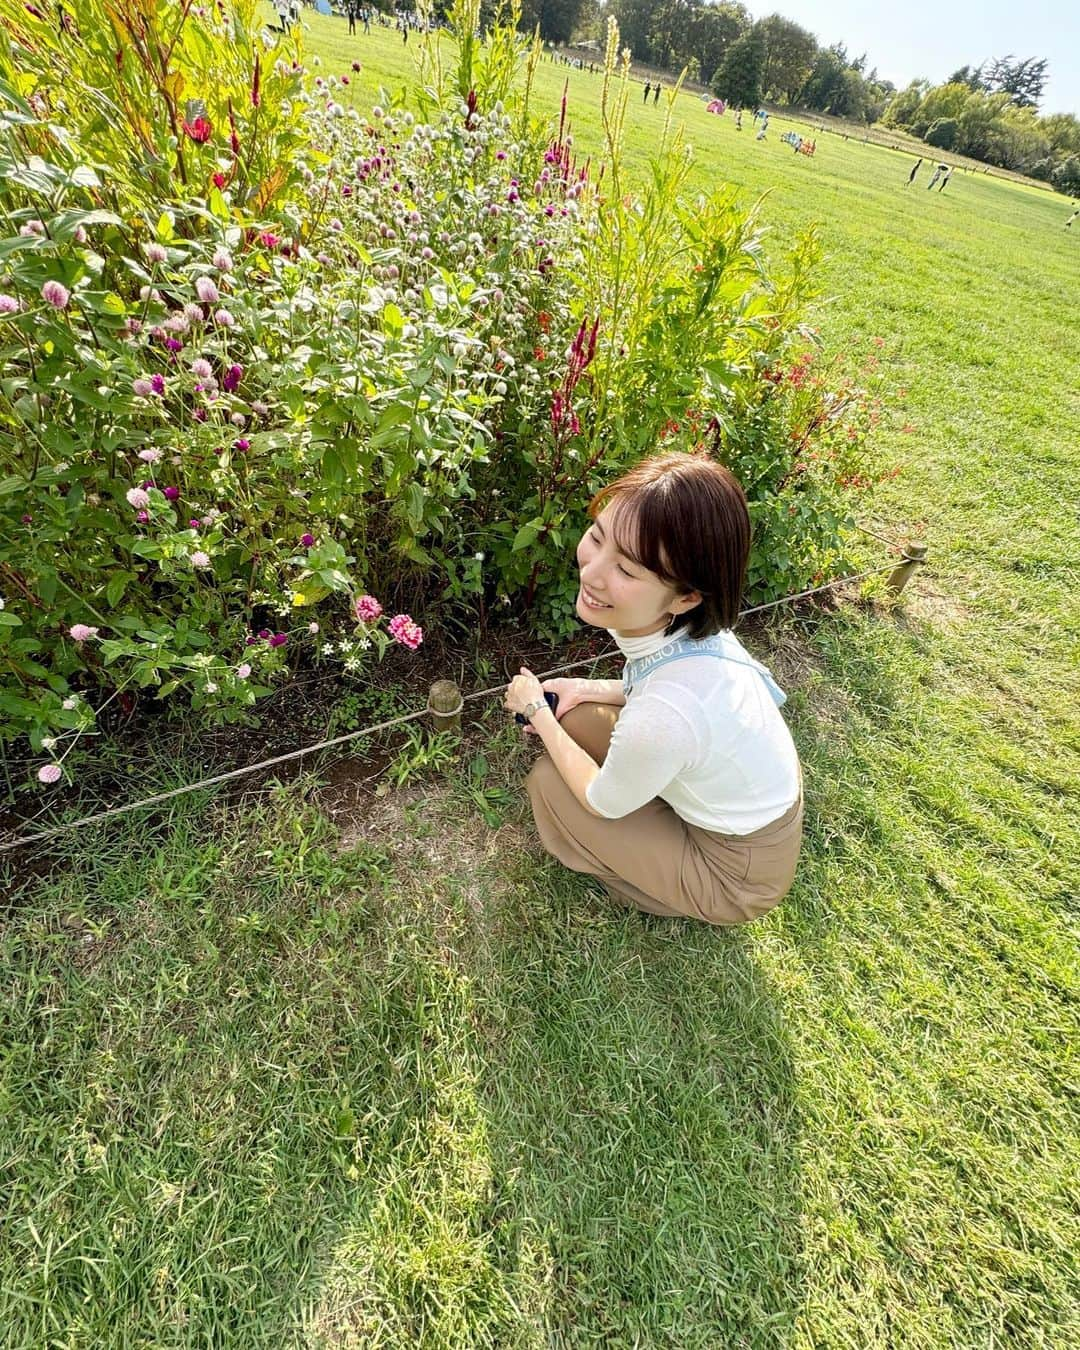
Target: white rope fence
(53, 830)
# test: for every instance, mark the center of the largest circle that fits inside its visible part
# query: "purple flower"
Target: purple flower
(251, 641)
(56, 295)
(194, 524)
(241, 443)
(82, 632)
(50, 773)
(142, 517)
(223, 318)
(202, 368)
(154, 253)
(206, 291)
(174, 344)
(157, 383)
(264, 632)
(142, 387)
(307, 540)
(138, 497)
(200, 559)
(222, 260)
(232, 378)
(171, 493)
(279, 640)
(9, 304)
(368, 609)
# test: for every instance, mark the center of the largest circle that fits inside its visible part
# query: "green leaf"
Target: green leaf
(164, 227)
(9, 620)
(527, 534)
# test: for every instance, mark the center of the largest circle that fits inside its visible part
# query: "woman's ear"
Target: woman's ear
(682, 603)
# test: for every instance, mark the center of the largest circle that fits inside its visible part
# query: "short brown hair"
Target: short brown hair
(690, 525)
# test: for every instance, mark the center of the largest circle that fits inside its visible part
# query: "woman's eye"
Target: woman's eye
(625, 573)
(593, 538)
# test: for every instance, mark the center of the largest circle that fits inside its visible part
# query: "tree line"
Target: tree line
(988, 112)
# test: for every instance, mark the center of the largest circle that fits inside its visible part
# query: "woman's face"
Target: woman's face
(618, 593)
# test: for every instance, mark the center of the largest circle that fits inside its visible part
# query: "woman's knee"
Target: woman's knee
(591, 725)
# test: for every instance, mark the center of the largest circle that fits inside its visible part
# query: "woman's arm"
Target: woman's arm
(603, 691)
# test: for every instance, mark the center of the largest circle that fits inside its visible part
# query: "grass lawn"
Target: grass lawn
(427, 1089)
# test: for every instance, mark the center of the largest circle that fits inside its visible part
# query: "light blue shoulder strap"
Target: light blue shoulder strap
(635, 671)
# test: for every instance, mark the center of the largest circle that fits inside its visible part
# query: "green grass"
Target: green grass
(431, 1090)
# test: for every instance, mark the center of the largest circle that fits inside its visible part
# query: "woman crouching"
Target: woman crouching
(678, 786)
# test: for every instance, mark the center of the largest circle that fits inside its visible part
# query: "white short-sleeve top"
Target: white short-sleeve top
(703, 734)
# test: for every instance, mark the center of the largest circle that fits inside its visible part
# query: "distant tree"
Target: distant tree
(1066, 177)
(1023, 81)
(556, 19)
(824, 87)
(944, 100)
(942, 133)
(1063, 132)
(789, 55)
(904, 105)
(738, 79)
(972, 76)
(715, 28)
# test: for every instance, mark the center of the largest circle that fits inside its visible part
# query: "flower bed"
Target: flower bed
(242, 390)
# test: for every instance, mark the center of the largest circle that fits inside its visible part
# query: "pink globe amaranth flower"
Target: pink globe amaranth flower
(174, 345)
(32, 227)
(82, 632)
(9, 304)
(142, 517)
(222, 260)
(142, 387)
(313, 627)
(200, 559)
(193, 312)
(56, 294)
(265, 633)
(307, 540)
(269, 239)
(138, 497)
(223, 318)
(403, 630)
(206, 291)
(150, 456)
(356, 65)
(202, 368)
(368, 609)
(154, 253)
(157, 383)
(194, 524)
(242, 672)
(50, 773)
(259, 408)
(171, 493)
(241, 443)
(232, 378)
(279, 640)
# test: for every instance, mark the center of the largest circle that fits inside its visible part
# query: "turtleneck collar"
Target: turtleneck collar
(634, 647)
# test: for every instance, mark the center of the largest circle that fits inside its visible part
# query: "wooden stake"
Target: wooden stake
(445, 704)
(914, 556)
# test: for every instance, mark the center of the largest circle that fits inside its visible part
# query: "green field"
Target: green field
(430, 1090)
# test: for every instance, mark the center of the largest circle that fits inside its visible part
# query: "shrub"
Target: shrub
(942, 133)
(401, 369)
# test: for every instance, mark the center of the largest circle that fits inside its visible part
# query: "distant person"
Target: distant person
(1068, 223)
(944, 181)
(656, 94)
(938, 171)
(648, 90)
(915, 170)
(351, 12)
(738, 120)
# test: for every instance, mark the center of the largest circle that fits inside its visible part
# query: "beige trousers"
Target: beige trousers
(654, 859)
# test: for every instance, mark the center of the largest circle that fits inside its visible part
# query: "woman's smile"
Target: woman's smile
(592, 601)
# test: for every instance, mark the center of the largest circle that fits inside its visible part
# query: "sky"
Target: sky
(932, 38)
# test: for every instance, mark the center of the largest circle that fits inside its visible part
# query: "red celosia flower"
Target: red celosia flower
(255, 85)
(200, 130)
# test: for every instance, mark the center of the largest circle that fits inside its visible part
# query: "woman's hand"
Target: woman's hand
(522, 690)
(571, 692)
